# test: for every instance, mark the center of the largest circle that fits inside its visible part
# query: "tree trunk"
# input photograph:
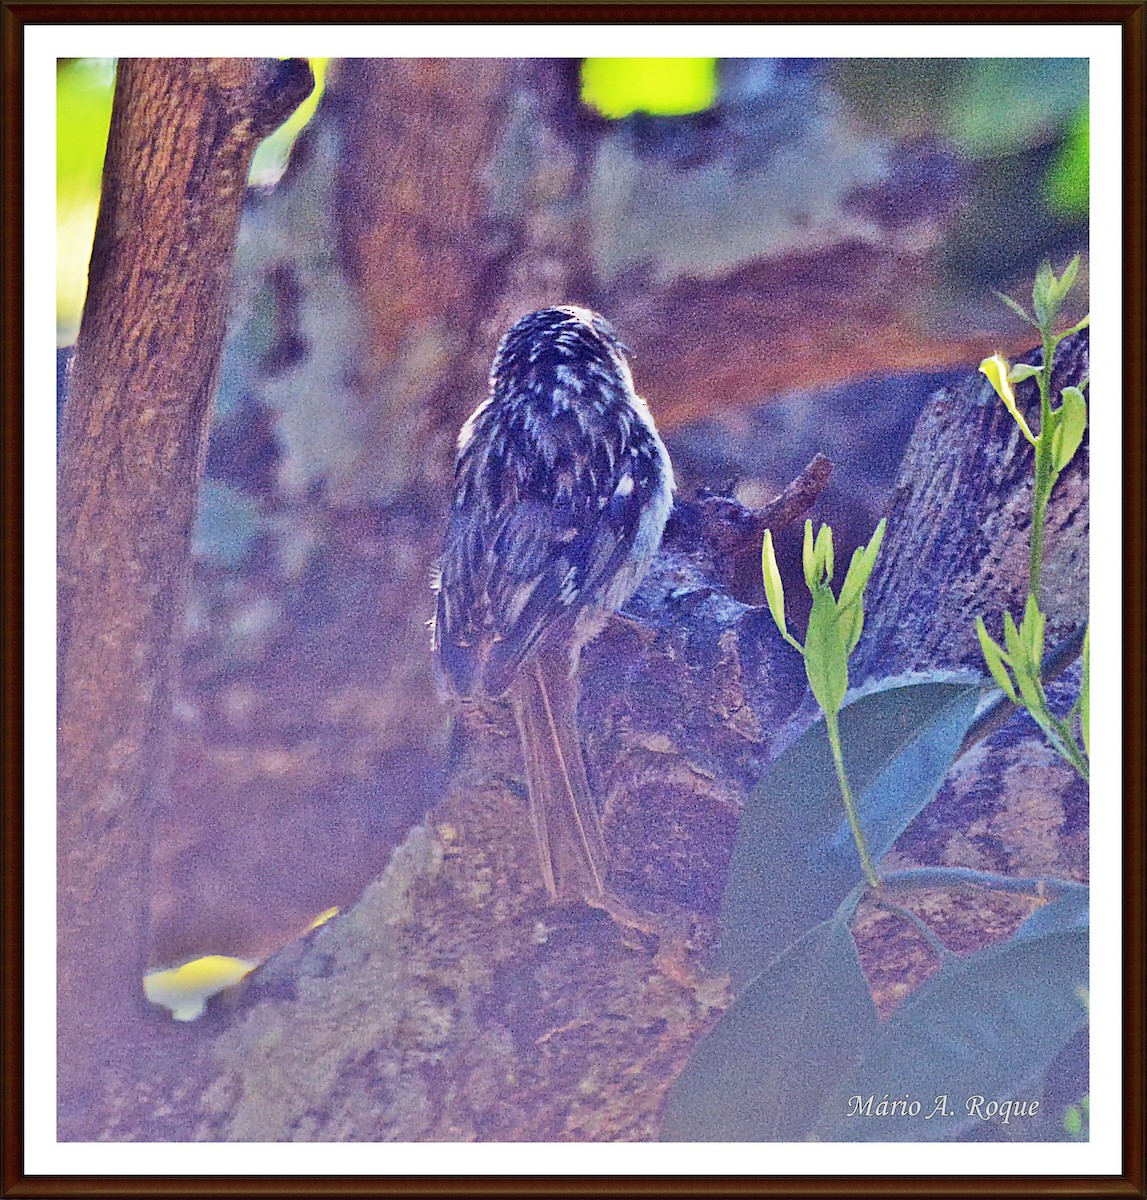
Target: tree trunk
(134, 434)
(453, 1002)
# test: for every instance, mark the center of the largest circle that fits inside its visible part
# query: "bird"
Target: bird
(562, 489)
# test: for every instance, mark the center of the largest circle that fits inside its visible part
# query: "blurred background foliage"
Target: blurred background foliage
(985, 106)
(84, 89)
(1023, 122)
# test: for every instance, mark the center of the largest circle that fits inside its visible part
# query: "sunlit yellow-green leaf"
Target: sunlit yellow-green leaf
(808, 556)
(664, 87)
(1032, 631)
(774, 588)
(823, 551)
(860, 569)
(1012, 642)
(1017, 308)
(83, 113)
(1070, 423)
(997, 370)
(1022, 371)
(1075, 328)
(851, 625)
(855, 578)
(1066, 281)
(994, 659)
(826, 657)
(185, 990)
(1044, 294)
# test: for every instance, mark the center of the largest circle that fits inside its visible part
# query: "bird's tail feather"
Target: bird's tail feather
(571, 848)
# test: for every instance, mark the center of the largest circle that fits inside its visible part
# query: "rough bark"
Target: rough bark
(182, 135)
(961, 513)
(453, 1002)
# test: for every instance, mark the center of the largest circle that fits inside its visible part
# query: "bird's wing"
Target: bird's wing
(541, 526)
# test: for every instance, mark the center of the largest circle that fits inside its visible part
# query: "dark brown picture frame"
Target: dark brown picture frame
(17, 17)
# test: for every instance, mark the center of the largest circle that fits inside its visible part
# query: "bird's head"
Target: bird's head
(565, 349)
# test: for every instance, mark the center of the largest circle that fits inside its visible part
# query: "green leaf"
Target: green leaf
(784, 875)
(1075, 328)
(1070, 910)
(774, 588)
(1013, 643)
(808, 557)
(854, 579)
(996, 369)
(825, 659)
(985, 1026)
(1070, 422)
(617, 87)
(1066, 281)
(1018, 309)
(1022, 371)
(995, 661)
(1085, 693)
(1032, 632)
(851, 621)
(1031, 693)
(1073, 1123)
(823, 551)
(998, 108)
(860, 568)
(874, 544)
(1067, 185)
(761, 1073)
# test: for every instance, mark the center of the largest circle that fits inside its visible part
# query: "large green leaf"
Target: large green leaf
(793, 860)
(762, 1072)
(1070, 911)
(987, 1026)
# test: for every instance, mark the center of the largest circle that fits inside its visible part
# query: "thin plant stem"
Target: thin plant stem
(1071, 751)
(849, 805)
(1044, 467)
(996, 714)
(1059, 733)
